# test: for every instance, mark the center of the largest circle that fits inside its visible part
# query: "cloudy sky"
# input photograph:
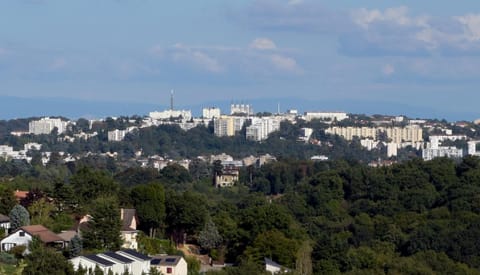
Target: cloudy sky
(424, 54)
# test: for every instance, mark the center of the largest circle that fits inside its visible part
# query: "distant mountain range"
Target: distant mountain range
(17, 107)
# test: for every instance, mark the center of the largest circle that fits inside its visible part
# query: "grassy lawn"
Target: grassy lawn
(6, 269)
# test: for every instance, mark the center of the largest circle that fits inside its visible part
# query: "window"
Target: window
(22, 234)
(169, 270)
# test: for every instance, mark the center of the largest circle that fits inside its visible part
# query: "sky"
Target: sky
(416, 54)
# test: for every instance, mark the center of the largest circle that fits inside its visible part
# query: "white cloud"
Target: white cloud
(397, 15)
(284, 63)
(58, 63)
(471, 26)
(295, 2)
(263, 44)
(388, 69)
(395, 32)
(197, 58)
(157, 51)
(261, 55)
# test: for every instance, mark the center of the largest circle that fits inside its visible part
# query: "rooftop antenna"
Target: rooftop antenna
(171, 100)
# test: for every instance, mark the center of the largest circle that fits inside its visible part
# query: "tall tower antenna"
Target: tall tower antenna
(278, 108)
(171, 100)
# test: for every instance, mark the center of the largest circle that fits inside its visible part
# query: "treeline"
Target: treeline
(173, 142)
(311, 217)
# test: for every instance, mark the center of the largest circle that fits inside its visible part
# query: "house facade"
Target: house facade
(5, 223)
(89, 262)
(24, 235)
(129, 230)
(170, 265)
(141, 262)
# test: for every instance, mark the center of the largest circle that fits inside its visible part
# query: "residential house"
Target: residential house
(24, 235)
(274, 267)
(89, 262)
(129, 230)
(5, 223)
(122, 264)
(228, 177)
(20, 195)
(170, 265)
(141, 262)
(67, 236)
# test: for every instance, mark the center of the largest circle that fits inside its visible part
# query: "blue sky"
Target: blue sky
(424, 54)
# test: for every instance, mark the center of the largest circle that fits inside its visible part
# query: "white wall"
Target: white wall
(86, 264)
(14, 240)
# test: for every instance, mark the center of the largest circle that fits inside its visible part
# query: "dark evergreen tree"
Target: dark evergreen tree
(103, 229)
(19, 217)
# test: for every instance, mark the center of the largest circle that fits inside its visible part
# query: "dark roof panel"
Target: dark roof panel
(99, 260)
(4, 218)
(118, 257)
(155, 261)
(135, 254)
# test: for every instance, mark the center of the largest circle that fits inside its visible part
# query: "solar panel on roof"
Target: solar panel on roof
(99, 260)
(170, 260)
(118, 257)
(155, 261)
(136, 254)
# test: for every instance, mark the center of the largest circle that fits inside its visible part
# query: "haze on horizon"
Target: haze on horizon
(424, 55)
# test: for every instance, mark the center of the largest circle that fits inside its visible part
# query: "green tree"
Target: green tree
(7, 199)
(89, 184)
(273, 244)
(193, 265)
(104, 227)
(209, 237)
(149, 202)
(304, 259)
(40, 212)
(75, 247)
(18, 217)
(43, 260)
(186, 214)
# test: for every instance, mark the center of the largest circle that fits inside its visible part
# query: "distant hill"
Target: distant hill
(17, 107)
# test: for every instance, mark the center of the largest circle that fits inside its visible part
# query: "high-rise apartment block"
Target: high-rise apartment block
(228, 125)
(241, 109)
(46, 126)
(168, 114)
(411, 133)
(261, 128)
(210, 113)
(329, 116)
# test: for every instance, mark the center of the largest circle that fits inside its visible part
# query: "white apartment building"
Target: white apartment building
(472, 148)
(167, 114)
(449, 152)
(330, 116)
(305, 134)
(392, 149)
(211, 112)
(245, 109)
(262, 127)
(46, 125)
(435, 141)
(411, 133)
(119, 135)
(349, 132)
